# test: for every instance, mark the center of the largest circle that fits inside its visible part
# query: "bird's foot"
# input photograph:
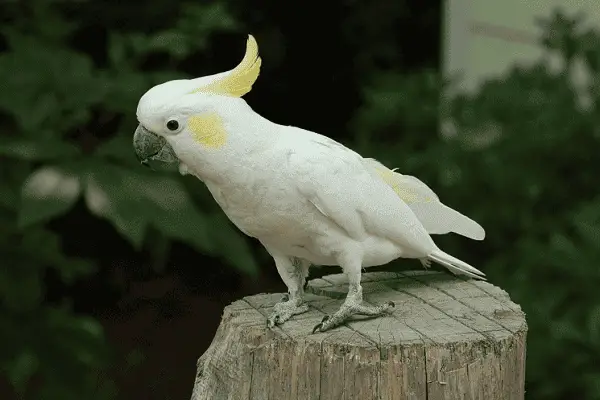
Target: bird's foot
(348, 309)
(285, 309)
(425, 262)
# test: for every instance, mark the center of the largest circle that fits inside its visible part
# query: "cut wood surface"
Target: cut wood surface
(447, 338)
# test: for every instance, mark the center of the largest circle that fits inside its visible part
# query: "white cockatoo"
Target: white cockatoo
(307, 198)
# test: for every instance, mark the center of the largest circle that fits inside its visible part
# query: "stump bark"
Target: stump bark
(447, 338)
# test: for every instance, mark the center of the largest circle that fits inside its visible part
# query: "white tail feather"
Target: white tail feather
(455, 265)
(436, 217)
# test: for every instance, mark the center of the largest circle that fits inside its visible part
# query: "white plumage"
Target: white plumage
(302, 195)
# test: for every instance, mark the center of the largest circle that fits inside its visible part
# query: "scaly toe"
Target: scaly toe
(383, 308)
(285, 310)
(321, 325)
(274, 319)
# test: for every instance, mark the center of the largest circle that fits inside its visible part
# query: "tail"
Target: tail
(436, 217)
(455, 265)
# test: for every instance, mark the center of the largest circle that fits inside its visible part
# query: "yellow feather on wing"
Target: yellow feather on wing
(436, 217)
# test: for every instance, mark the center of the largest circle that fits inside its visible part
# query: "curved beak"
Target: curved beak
(149, 146)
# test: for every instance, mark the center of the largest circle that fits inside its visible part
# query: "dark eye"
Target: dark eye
(172, 125)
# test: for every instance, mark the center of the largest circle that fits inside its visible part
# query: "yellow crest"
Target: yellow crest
(239, 80)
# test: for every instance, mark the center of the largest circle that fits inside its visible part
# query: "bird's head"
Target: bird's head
(193, 109)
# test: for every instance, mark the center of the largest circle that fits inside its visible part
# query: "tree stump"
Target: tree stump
(448, 338)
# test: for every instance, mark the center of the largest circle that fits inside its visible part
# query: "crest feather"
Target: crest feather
(239, 80)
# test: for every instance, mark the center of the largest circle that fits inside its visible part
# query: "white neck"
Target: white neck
(248, 135)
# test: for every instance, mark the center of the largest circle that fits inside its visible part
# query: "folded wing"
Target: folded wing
(337, 183)
(436, 217)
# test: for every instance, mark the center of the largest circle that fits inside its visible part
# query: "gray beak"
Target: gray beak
(149, 146)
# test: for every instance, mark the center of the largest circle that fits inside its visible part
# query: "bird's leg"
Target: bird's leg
(353, 303)
(293, 273)
(425, 262)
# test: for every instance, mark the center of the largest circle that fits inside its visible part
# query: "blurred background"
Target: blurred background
(108, 291)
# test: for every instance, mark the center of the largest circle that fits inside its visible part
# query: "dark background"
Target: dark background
(107, 292)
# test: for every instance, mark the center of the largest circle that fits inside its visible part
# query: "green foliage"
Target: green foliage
(63, 95)
(524, 163)
(70, 121)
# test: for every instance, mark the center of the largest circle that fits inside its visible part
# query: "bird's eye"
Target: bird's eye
(172, 125)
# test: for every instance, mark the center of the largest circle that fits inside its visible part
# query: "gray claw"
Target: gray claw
(271, 322)
(320, 324)
(283, 310)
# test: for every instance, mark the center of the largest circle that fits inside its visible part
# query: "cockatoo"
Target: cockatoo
(308, 199)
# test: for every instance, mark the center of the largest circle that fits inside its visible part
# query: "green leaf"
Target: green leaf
(70, 349)
(21, 369)
(37, 150)
(593, 323)
(12, 175)
(26, 255)
(9, 197)
(108, 195)
(132, 200)
(72, 268)
(199, 20)
(118, 148)
(175, 214)
(41, 247)
(48, 192)
(124, 89)
(20, 287)
(117, 51)
(46, 79)
(174, 42)
(232, 245)
(190, 33)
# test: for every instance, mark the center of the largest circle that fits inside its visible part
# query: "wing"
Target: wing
(436, 217)
(335, 180)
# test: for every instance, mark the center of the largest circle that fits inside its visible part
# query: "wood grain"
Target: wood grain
(448, 338)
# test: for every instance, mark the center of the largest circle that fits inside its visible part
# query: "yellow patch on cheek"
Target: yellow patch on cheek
(208, 130)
